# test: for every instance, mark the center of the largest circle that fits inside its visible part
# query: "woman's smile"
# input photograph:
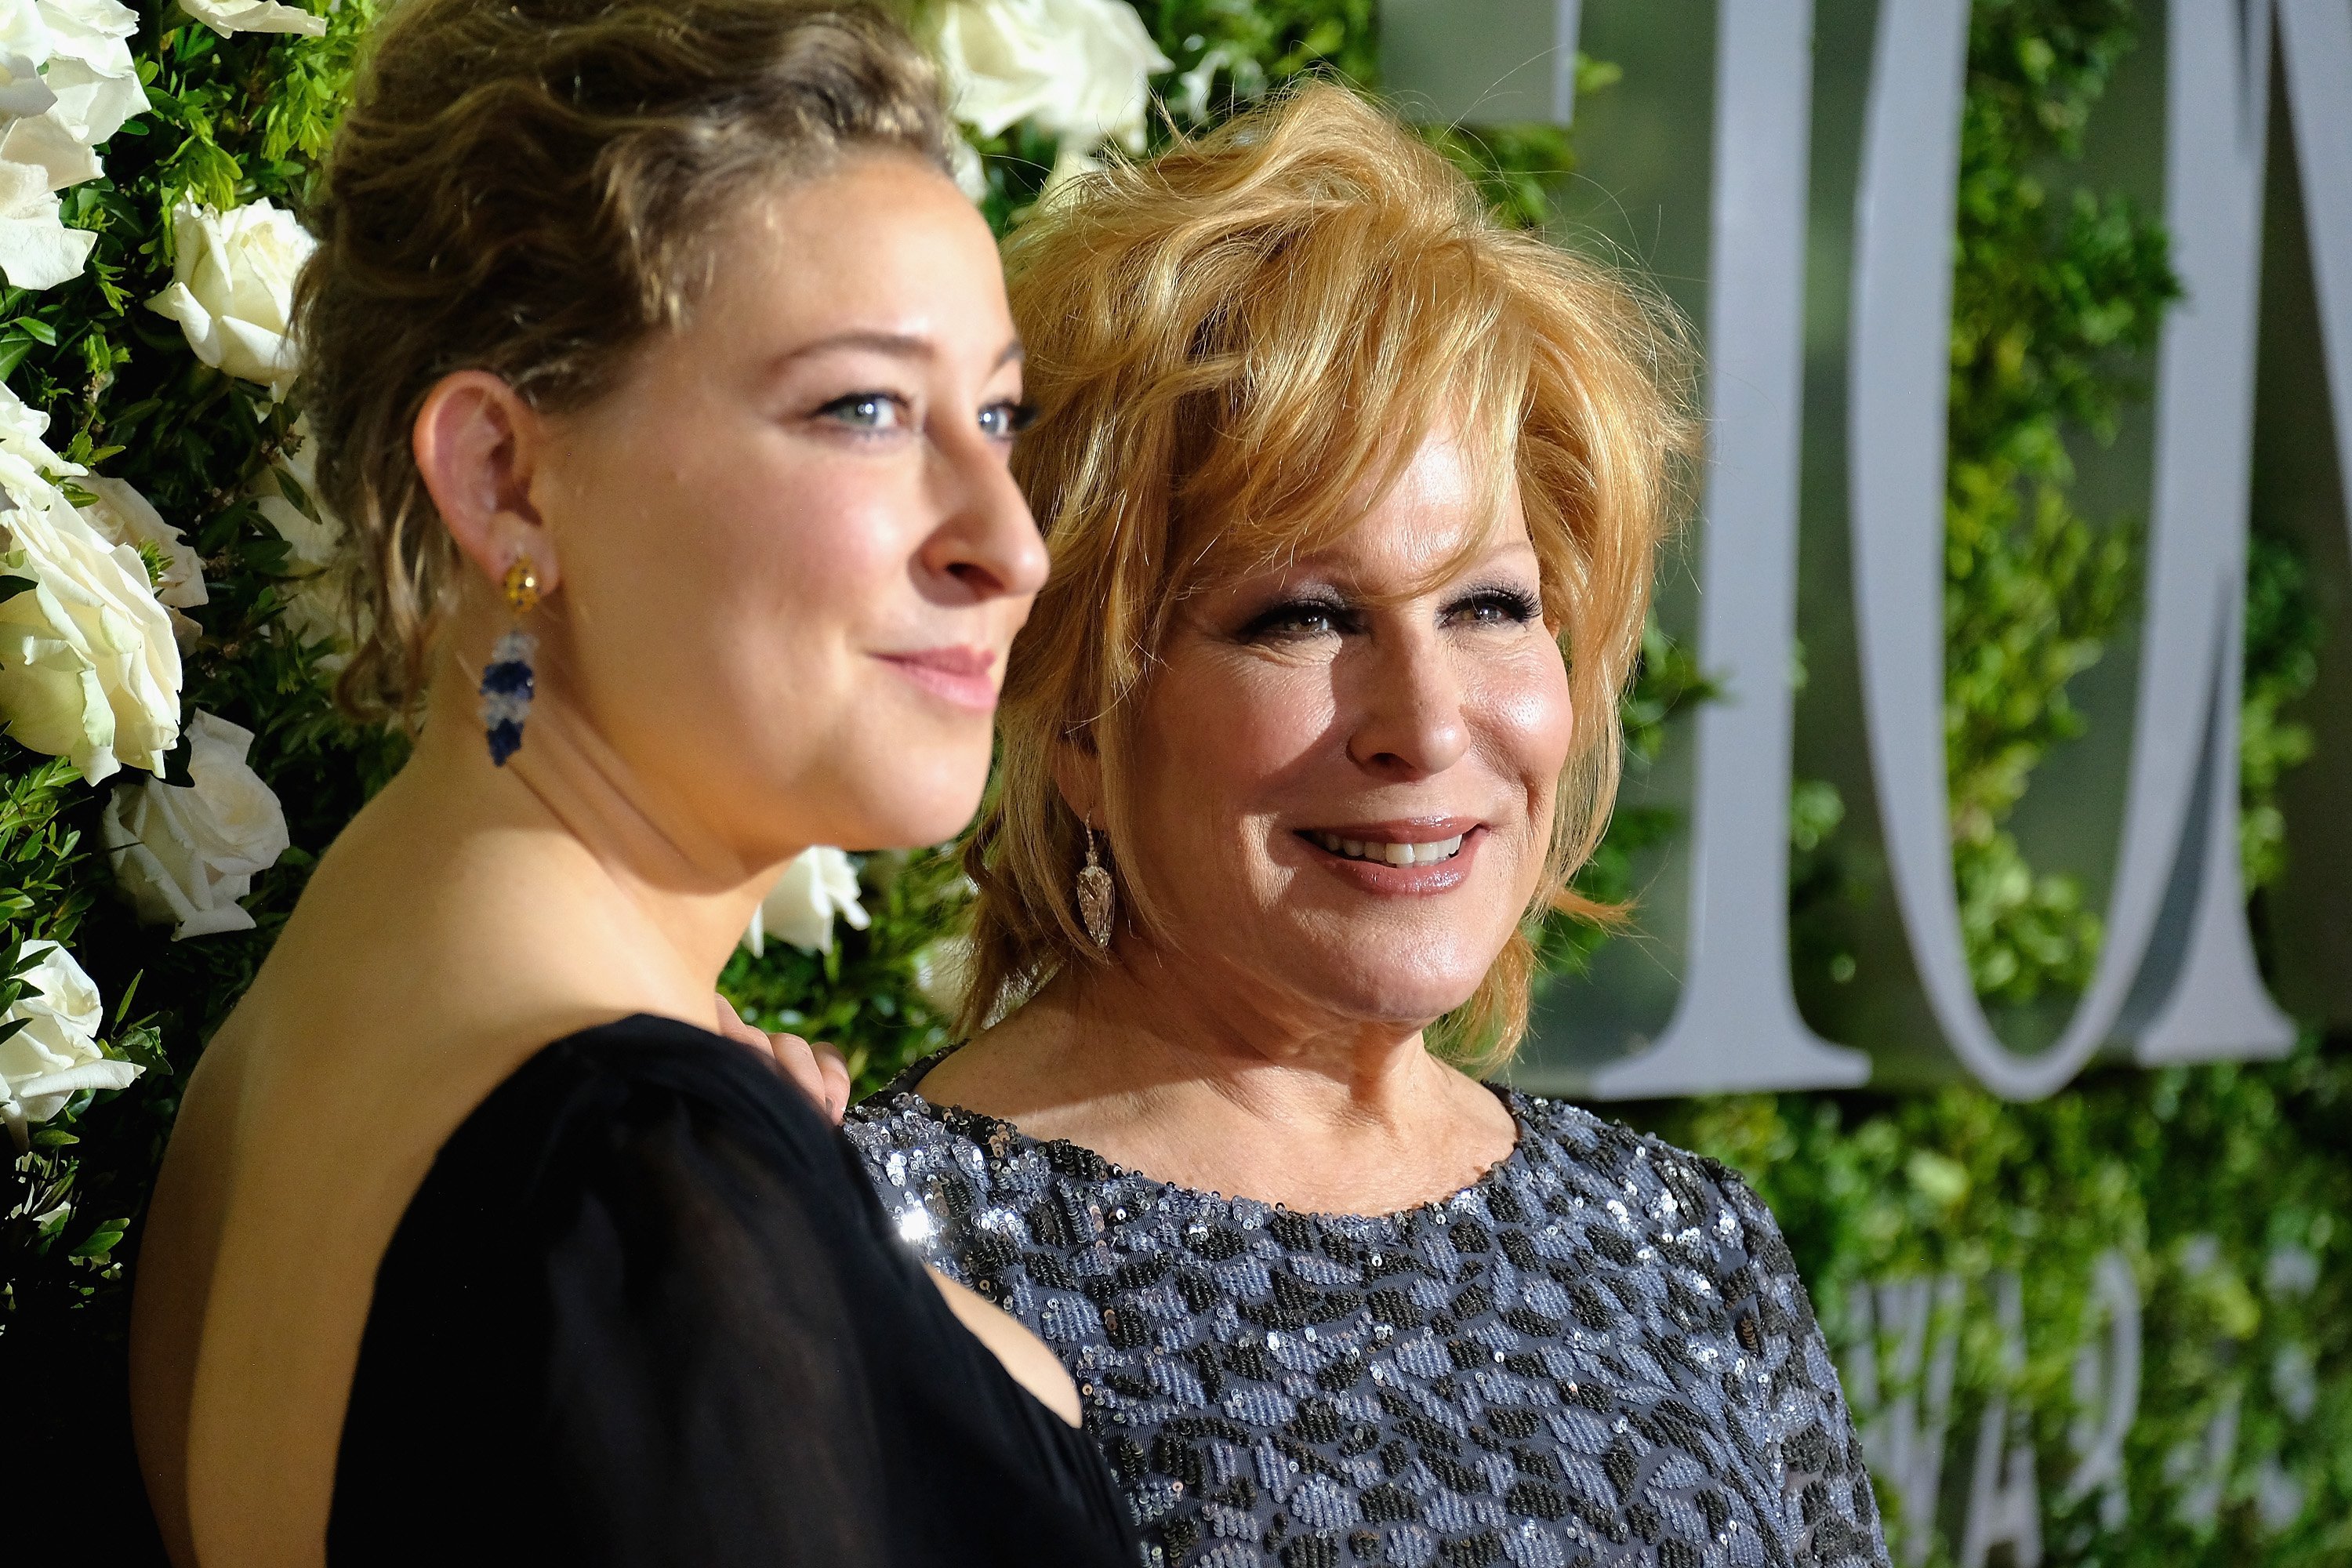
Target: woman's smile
(1420, 855)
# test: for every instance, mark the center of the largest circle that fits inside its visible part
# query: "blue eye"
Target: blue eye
(868, 411)
(1003, 421)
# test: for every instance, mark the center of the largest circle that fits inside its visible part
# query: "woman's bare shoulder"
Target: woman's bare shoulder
(306, 1129)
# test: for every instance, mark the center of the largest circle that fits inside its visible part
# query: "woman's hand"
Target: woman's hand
(817, 1070)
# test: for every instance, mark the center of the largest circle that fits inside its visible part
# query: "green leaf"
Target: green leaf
(101, 1241)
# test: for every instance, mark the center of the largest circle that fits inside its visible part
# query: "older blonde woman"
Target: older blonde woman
(1352, 496)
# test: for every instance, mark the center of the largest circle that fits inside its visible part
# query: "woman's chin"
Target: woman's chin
(1353, 991)
(891, 806)
(918, 825)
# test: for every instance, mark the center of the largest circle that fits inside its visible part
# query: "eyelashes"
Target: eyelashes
(1497, 606)
(1328, 614)
(1301, 617)
(1005, 420)
(867, 411)
(875, 413)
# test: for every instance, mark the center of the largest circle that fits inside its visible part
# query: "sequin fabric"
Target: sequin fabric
(1599, 1354)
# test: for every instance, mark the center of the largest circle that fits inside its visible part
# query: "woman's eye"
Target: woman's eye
(1496, 607)
(1298, 619)
(868, 411)
(1003, 421)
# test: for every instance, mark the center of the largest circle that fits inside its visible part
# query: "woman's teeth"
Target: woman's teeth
(1390, 854)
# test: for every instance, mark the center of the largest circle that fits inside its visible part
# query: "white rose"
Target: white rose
(226, 17)
(187, 854)
(36, 250)
(89, 65)
(233, 287)
(89, 666)
(67, 84)
(315, 534)
(819, 884)
(1077, 70)
(125, 517)
(319, 604)
(943, 972)
(54, 1055)
(25, 459)
(971, 174)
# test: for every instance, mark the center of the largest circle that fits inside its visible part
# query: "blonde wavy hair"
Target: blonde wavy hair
(1233, 346)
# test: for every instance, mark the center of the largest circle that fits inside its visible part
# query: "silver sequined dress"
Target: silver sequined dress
(1599, 1354)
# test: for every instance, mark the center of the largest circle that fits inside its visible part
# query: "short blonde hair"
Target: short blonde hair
(1233, 346)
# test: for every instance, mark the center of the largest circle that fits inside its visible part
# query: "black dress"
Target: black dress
(645, 1310)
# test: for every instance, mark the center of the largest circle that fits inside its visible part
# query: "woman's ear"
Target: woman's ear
(479, 445)
(1078, 773)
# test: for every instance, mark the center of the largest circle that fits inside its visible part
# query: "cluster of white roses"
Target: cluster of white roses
(67, 84)
(1079, 70)
(233, 294)
(90, 666)
(93, 581)
(90, 633)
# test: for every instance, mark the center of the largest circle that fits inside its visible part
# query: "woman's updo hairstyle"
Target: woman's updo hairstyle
(532, 188)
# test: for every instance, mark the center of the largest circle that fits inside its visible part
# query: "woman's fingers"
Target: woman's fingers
(816, 1071)
(835, 1070)
(817, 1068)
(731, 1024)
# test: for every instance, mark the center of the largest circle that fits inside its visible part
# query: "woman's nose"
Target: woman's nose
(988, 543)
(1410, 723)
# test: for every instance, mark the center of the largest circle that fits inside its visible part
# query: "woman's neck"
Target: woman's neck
(1210, 1087)
(540, 897)
(692, 893)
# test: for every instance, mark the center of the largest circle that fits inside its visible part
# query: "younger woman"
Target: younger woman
(666, 382)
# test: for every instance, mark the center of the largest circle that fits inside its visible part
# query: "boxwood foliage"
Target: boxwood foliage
(2225, 1188)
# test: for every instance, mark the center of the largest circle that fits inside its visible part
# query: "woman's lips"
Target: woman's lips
(958, 676)
(1425, 857)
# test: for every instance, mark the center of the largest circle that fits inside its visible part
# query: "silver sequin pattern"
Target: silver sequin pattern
(1600, 1353)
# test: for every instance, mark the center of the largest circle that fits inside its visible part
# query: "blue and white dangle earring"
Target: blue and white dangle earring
(507, 681)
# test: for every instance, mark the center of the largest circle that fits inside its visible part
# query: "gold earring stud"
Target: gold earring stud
(522, 586)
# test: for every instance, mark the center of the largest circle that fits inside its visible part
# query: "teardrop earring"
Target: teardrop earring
(1097, 897)
(507, 681)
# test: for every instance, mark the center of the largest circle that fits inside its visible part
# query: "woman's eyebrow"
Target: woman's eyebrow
(897, 345)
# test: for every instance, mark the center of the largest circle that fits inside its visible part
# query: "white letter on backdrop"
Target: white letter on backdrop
(1903, 1401)
(2106, 1392)
(2316, 36)
(1736, 1025)
(2199, 985)
(2177, 837)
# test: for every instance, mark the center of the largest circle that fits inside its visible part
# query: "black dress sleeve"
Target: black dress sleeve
(644, 1310)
